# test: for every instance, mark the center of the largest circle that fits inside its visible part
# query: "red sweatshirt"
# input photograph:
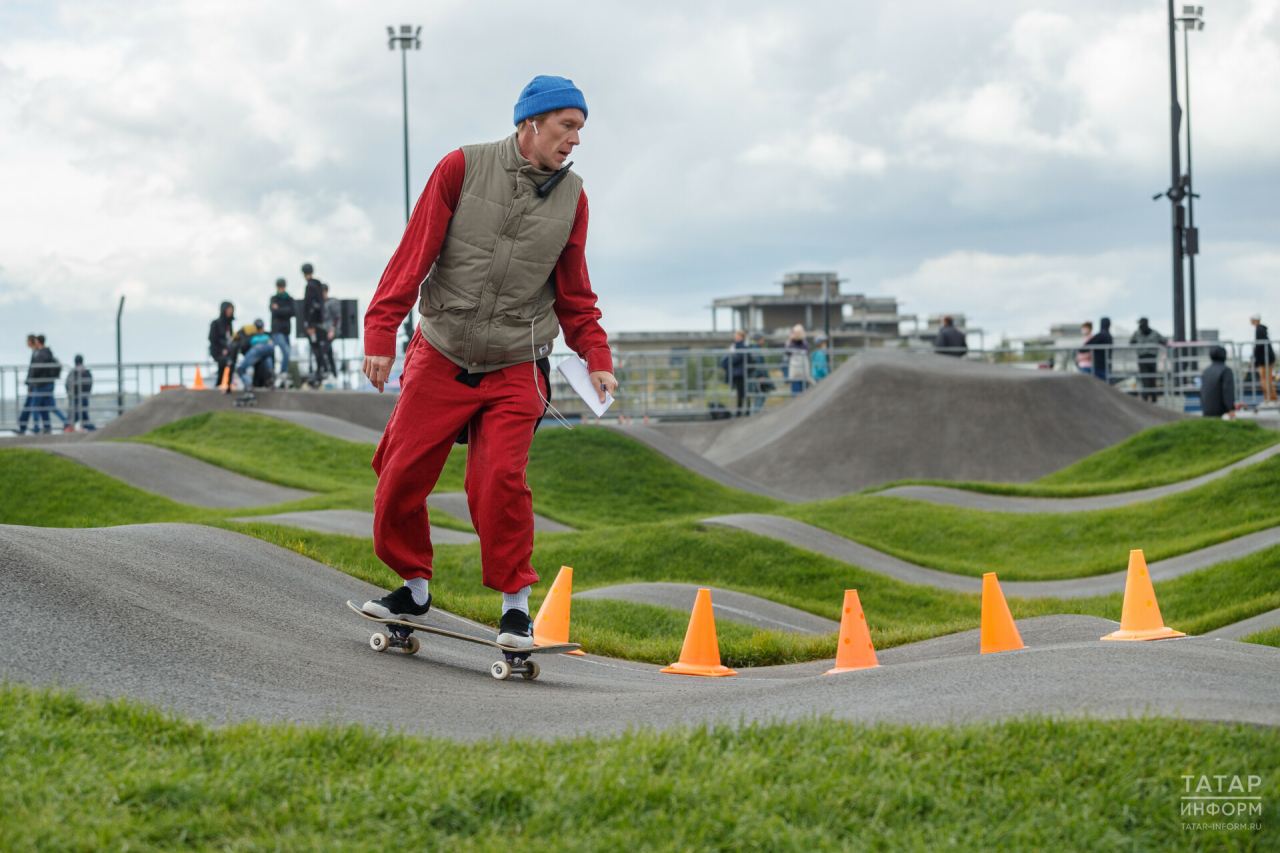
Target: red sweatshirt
(398, 289)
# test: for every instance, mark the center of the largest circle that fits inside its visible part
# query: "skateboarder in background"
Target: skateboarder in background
(502, 229)
(313, 312)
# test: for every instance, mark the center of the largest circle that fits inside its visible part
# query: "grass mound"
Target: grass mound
(1154, 457)
(1049, 546)
(120, 775)
(1269, 637)
(586, 478)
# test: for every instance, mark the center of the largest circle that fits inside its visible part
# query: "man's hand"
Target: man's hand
(378, 369)
(311, 331)
(331, 331)
(603, 382)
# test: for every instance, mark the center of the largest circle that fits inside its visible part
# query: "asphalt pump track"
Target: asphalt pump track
(215, 625)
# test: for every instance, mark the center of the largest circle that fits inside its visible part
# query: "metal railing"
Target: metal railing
(671, 384)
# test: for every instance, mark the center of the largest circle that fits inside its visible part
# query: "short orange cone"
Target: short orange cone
(552, 625)
(1140, 618)
(999, 634)
(854, 649)
(198, 385)
(225, 384)
(701, 652)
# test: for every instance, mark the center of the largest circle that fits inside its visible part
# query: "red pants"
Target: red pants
(433, 408)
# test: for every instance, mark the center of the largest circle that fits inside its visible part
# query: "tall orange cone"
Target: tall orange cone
(701, 652)
(552, 625)
(198, 385)
(1140, 619)
(999, 634)
(225, 384)
(854, 649)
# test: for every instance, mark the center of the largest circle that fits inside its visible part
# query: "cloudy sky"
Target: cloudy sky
(992, 158)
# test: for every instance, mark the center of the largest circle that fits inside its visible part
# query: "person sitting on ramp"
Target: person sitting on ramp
(501, 228)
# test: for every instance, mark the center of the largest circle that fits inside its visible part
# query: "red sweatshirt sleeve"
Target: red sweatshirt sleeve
(419, 248)
(576, 302)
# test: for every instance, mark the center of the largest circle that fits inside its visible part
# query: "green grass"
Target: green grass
(1154, 457)
(1063, 545)
(82, 776)
(1269, 637)
(585, 478)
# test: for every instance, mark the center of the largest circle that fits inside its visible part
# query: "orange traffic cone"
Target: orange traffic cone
(999, 633)
(854, 650)
(701, 652)
(198, 385)
(1140, 618)
(552, 625)
(225, 384)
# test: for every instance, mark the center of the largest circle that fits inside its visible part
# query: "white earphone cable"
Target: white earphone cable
(533, 349)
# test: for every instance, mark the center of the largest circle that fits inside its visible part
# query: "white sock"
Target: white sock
(516, 600)
(418, 586)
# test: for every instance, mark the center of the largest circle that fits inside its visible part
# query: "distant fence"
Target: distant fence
(672, 384)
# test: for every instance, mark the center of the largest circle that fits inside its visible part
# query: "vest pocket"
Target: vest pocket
(521, 344)
(448, 313)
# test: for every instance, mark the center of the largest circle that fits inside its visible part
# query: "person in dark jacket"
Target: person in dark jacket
(313, 310)
(1148, 357)
(255, 344)
(1264, 357)
(282, 312)
(950, 340)
(326, 331)
(41, 376)
(221, 331)
(734, 366)
(1099, 347)
(1218, 386)
(79, 385)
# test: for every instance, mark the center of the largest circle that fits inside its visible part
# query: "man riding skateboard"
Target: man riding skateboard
(495, 256)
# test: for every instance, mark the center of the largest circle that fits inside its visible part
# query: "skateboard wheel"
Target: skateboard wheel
(500, 670)
(411, 646)
(379, 642)
(531, 670)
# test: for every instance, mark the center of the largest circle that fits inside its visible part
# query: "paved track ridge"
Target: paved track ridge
(215, 625)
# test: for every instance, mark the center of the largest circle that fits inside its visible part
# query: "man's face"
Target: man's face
(738, 337)
(1086, 330)
(229, 312)
(556, 138)
(1253, 321)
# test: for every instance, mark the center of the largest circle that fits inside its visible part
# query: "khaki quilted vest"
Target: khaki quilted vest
(488, 301)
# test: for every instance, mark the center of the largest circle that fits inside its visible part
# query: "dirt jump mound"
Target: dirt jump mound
(885, 416)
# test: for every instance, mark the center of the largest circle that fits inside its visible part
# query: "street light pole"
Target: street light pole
(406, 40)
(119, 364)
(1176, 191)
(1191, 20)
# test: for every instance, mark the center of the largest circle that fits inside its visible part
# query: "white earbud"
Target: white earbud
(535, 127)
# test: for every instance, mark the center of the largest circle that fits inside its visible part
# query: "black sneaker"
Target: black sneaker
(515, 630)
(399, 605)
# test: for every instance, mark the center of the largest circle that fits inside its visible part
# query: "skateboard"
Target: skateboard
(515, 661)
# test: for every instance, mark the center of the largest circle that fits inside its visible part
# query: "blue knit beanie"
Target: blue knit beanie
(544, 94)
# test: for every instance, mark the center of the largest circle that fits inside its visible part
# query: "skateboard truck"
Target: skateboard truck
(515, 664)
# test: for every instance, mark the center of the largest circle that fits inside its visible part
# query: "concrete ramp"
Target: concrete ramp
(887, 415)
(216, 625)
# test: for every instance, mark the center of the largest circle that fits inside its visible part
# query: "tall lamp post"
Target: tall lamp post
(1192, 19)
(407, 40)
(1177, 190)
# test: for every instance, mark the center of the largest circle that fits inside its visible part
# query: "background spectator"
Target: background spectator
(79, 385)
(734, 366)
(1264, 357)
(42, 373)
(221, 333)
(1218, 386)
(758, 382)
(257, 346)
(312, 307)
(329, 330)
(1084, 360)
(950, 340)
(1099, 347)
(821, 369)
(1148, 357)
(798, 360)
(282, 313)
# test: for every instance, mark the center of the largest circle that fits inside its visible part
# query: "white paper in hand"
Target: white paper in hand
(575, 372)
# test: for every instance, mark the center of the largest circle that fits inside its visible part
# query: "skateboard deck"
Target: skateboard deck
(515, 660)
